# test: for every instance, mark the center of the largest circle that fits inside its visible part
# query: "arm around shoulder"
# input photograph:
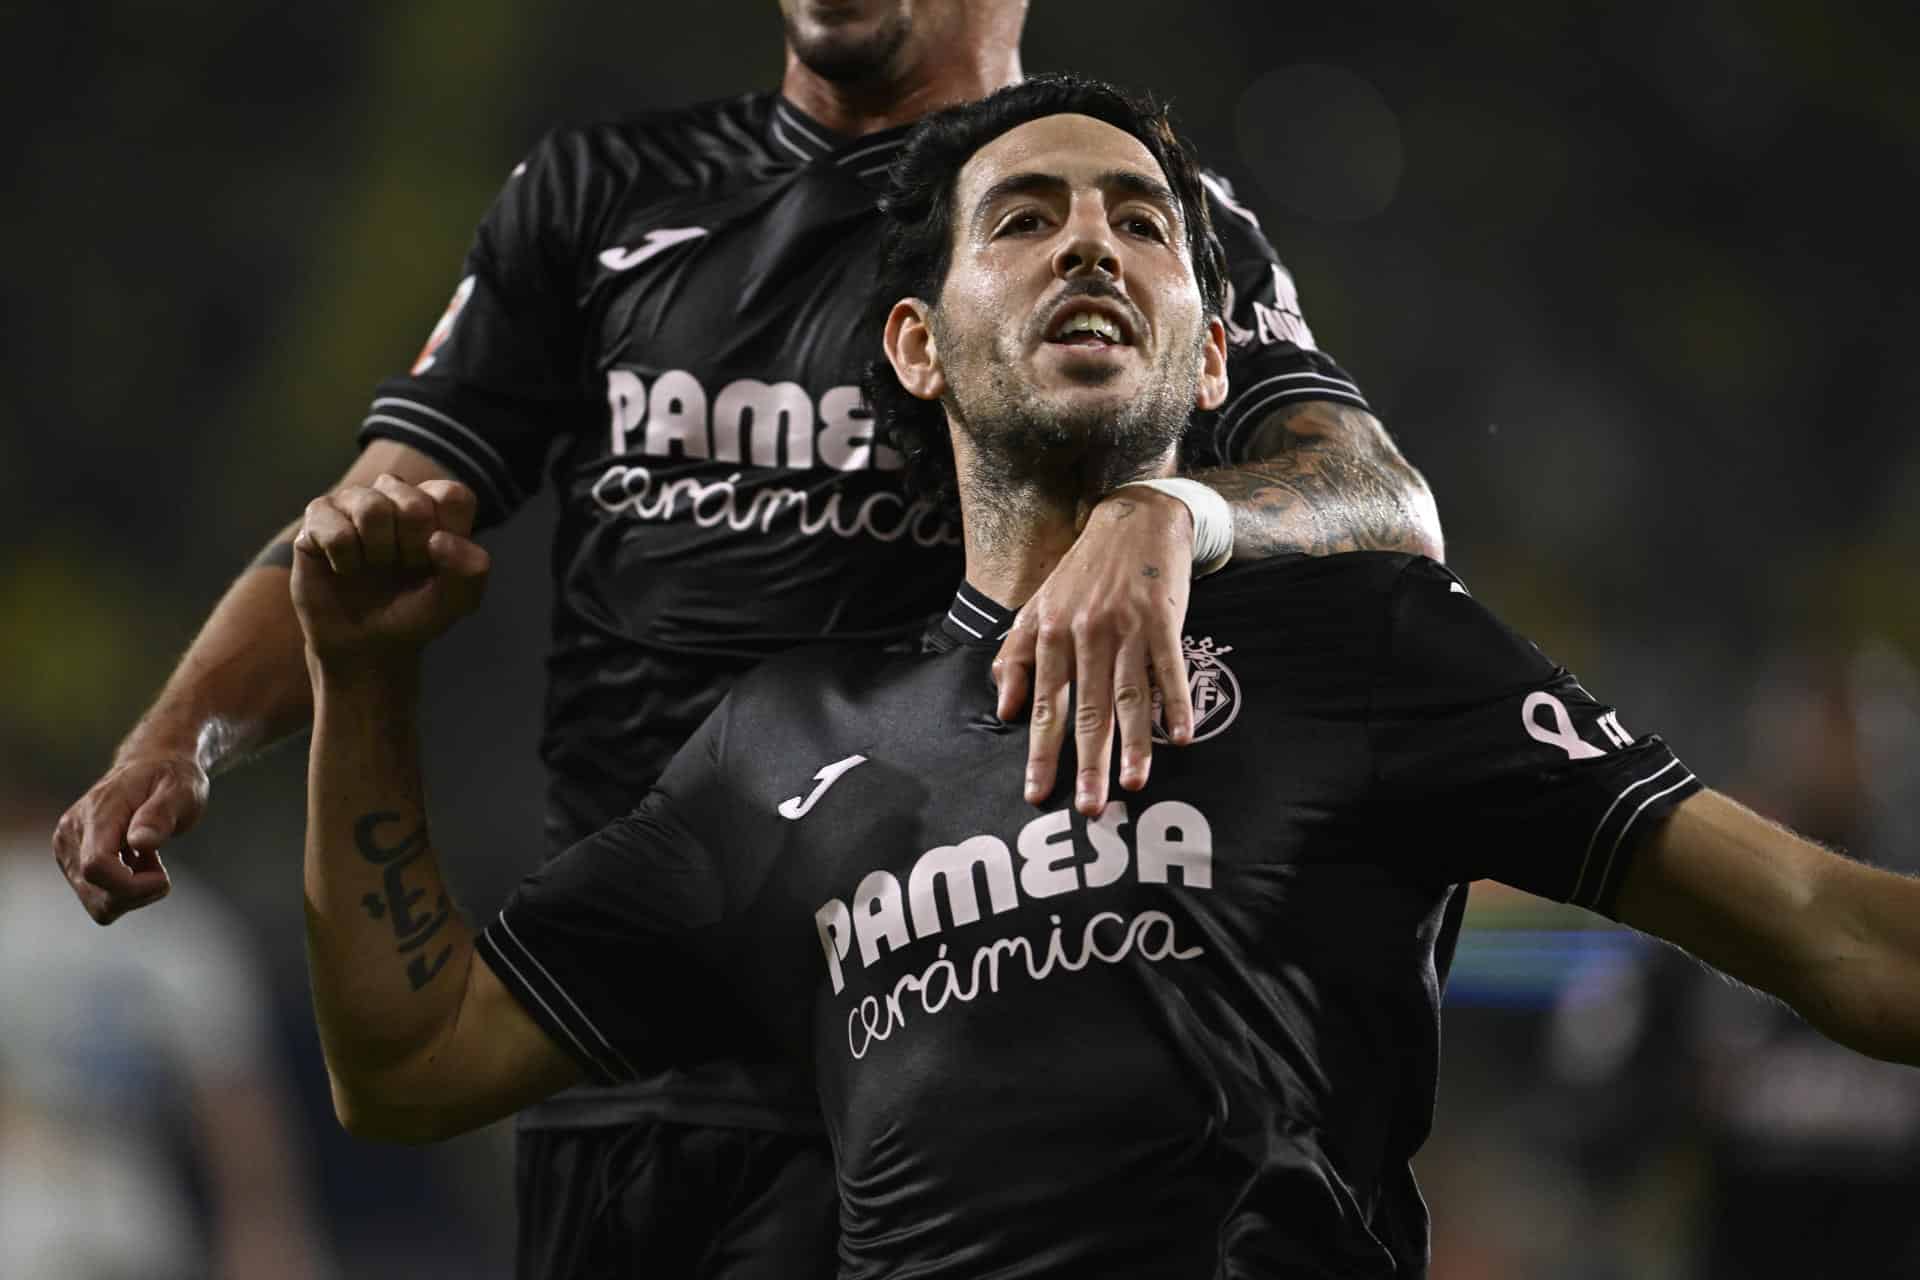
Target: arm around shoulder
(1837, 940)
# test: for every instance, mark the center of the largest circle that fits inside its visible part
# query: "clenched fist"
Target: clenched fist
(379, 571)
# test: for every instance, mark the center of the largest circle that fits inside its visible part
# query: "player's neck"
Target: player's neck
(939, 79)
(1019, 520)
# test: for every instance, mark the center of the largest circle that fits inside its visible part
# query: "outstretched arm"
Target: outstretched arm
(241, 686)
(1322, 477)
(420, 1041)
(1837, 940)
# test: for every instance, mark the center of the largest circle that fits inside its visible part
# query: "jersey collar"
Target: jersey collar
(795, 133)
(975, 618)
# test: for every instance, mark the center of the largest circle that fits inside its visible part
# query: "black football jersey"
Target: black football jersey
(664, 315)
(1195, 1036)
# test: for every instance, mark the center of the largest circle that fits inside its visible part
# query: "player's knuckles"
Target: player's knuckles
(1092, 623)
(366, 508)
(66, 835)
(414, 512)
(1130, 697)
(455, 503)
(102, 871)
(1090, 715)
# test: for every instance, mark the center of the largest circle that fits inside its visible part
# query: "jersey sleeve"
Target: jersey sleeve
(500, 375)
(618, 947)
(1492, 762)
(1271, 357)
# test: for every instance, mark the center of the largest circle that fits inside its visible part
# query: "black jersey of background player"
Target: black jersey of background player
(666, 312)
(1197, 1036)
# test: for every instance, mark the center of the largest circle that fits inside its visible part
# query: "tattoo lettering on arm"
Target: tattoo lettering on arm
(396, 902)
(1321, 478)
(1150, 571)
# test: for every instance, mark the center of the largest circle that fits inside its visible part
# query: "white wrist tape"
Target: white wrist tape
(1212, 520)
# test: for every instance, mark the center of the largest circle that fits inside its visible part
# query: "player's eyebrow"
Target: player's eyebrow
(1126, 182)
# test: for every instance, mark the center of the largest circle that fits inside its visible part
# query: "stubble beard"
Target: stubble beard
(847, 59)
(1031, 453)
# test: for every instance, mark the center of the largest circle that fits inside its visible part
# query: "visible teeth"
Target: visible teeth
(1089, 322)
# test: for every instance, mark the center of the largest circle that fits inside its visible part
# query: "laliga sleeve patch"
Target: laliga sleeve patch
(443, 330)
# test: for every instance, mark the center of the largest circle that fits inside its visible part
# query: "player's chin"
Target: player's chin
(1075, 378)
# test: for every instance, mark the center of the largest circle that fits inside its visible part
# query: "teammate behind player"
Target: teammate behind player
(1196, 1035)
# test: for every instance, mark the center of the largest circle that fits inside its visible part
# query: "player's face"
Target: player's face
(1071, 304)
(849, 41)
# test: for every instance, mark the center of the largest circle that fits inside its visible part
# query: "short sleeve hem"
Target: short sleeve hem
(549, 1004)
(447, 440)
(1296, 377)
(1635, 814)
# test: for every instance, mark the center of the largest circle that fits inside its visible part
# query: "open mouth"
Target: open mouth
(1081, 324)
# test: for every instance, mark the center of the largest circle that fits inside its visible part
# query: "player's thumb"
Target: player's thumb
(169, 811)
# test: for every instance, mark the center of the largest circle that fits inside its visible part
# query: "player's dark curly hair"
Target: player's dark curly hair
(917, 239)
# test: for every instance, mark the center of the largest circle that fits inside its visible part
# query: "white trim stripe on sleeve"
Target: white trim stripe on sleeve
(963, 626)
(478, 471)
(1593, 841)
(492, 945)
(554, 985)
(1238, 406)
(501, 472)
(1627, 826)
(1313, 386)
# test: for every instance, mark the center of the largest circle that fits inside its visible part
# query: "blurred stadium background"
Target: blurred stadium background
(1633, 284)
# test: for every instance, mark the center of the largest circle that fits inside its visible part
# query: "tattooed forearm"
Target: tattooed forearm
(1323, 478)
(396, 901)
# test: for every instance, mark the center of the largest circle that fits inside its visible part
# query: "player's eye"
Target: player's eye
(1021, 223)
(1143, 226)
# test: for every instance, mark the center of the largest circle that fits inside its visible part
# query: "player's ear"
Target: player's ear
(911, 350)
(1213, 367)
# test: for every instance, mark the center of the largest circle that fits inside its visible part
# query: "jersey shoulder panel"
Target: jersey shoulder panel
(1498, 762)
(704, 145)
(1273, 359)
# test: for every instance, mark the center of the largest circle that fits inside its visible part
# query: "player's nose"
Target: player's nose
(1087, 244)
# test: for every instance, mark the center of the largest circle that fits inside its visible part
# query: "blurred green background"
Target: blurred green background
(1632, 284)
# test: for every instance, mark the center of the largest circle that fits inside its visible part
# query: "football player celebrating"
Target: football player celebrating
(1193, 1034)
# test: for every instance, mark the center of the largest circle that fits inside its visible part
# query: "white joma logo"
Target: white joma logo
(795, 808)
(656, 242)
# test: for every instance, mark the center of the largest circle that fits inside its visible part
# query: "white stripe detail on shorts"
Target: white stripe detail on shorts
(562, 993)
(1594, 840)
(581, 1046)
